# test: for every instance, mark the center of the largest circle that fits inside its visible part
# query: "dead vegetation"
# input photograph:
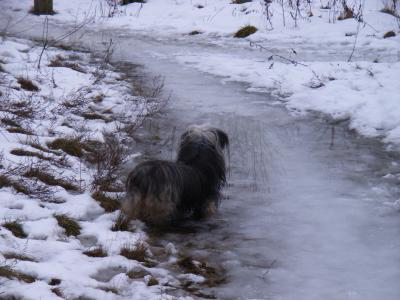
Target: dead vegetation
(10, 273)
(16, 228)
(18, 256)
(97, 251)
(245, 31)
(71, 227)
(138, 252)
(27, 84)
(49, 179)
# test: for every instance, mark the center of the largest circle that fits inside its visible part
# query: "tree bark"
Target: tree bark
(43, 7)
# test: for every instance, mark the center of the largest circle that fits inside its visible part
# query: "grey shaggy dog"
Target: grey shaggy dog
(161, 192)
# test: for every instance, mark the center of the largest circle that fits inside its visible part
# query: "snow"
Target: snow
(363, 91)
(54, 254)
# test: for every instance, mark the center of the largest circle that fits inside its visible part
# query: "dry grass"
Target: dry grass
(54, 281)
(137, 252)
(245, 31)
(49, 179)
(18, 256)
(108, 203)
(389, 34)
(71, 146)
(9, 273)
(137, 273)
(19, 130)
(96, 252)
(347, 13)
(59, 62)
(27, 84)
(240, 1)
(22, 152)
(71, 227)
(121, 224)
(16, 228)
(6, 181)
(10, 122)
(109, 289)
(95, 116)
(58, 292)
(214, 275)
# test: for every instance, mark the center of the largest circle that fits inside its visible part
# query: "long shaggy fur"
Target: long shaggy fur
(160, 191)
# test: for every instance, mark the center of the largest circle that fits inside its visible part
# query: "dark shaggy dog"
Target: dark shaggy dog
(159, 191)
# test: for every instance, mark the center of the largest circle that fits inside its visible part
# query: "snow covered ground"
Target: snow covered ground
(59, 191)
(319, 76)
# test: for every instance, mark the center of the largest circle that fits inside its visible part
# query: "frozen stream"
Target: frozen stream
(304, 218)
(306, 215)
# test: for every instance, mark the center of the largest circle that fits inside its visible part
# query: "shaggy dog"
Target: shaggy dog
(160, 192)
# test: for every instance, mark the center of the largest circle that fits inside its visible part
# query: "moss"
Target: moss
(70, 226)
(18, 256)
(27, 84)
(389, 34)
(96, 252)
(245, 31)
(50, 179)
(19, 130)
(109, 204)
(71, 146)
(9, 273)
(15, 228)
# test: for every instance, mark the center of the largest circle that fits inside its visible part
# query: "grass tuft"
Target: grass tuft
(10, 273)
(16, 229)
(195, 32)
(96, 252)
(389, 34)
(245, 31)
(19, 130)
(18, 256)
(54, 281)
(95, 116)
(27, 84)
(6, 181)
(9, 122)
(70, 226)
(108, 203)
(240, 1)
(137, 252)
(121, 224)
(71, 146)
(50, 179)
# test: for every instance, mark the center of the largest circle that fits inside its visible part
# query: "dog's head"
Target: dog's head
(205, 134)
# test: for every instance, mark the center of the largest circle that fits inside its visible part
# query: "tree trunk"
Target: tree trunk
(43, 7)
